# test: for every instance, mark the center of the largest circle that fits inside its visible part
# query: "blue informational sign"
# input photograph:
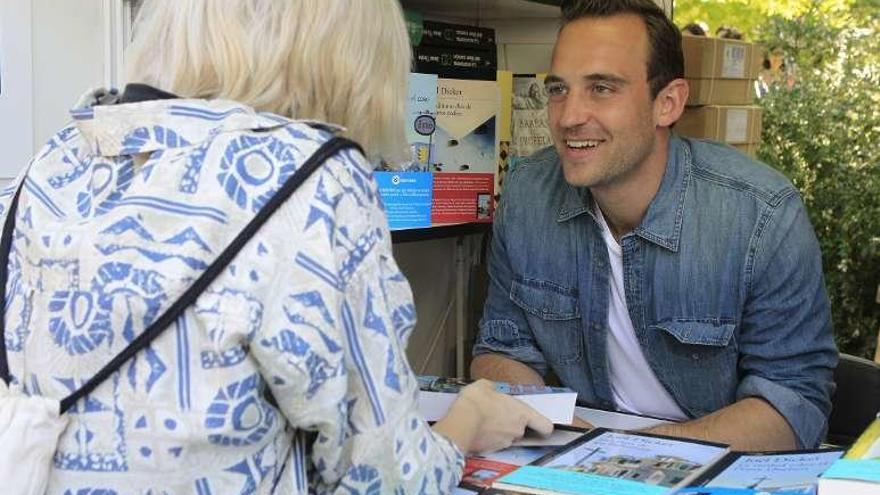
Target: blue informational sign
(407, 198)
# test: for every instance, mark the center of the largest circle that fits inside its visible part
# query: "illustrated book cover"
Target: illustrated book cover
(611, 462)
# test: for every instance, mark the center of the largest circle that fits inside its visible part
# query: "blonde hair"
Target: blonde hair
(338, 61)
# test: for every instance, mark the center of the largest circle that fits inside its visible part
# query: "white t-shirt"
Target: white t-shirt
(633, 382)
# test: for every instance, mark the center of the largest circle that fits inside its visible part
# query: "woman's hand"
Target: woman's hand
(482, 419)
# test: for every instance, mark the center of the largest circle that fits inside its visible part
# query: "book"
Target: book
(767, 473)
(414, 26)
(858, 472)
(456, 63)
(530, 130)
(437, 394)
(606, 462)
(464, 151)
(612, 462)
(503, 136)
(480, 471)
(421, 118)
(457, 35)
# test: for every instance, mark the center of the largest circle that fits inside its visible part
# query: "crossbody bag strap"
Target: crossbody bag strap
(5, 245)
(327, 150)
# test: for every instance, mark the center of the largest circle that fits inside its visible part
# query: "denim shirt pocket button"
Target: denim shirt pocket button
(554, 316)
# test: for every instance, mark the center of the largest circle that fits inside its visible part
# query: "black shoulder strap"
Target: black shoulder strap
(323, 153)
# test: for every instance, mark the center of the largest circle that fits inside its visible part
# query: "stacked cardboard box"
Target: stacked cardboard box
(721, 74)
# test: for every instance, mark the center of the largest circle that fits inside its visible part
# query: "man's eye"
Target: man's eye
(603, 89)
(555, 89)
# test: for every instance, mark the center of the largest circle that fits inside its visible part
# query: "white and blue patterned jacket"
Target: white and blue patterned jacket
(119, 213)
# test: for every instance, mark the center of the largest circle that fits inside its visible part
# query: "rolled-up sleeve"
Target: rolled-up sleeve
(504, 329)
(787, 351)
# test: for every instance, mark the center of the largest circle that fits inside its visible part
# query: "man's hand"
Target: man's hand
(503, 369)
(751, 424)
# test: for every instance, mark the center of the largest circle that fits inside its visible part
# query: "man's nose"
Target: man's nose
(576, 110)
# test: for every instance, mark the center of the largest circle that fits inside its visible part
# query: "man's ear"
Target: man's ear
(669, 104)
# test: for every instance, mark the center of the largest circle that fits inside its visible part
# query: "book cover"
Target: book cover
(530, 130)
(464, 145)
(858, 473)
(768, 473)
(436, 395)
(503, 134)
(609, 462)
(421, 122)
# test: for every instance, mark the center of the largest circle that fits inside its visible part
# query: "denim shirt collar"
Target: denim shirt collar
(662, 222)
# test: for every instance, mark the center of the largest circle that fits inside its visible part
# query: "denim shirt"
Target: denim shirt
(723, 282)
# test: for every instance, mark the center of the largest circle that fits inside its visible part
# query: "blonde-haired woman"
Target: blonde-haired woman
(287, 374)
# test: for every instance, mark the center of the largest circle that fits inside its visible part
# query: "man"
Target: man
(652, 273)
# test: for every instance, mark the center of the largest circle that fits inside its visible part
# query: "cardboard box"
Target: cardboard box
(721, 92)
(720, 58)
(728, 124)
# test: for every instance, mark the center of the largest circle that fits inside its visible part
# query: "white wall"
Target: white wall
(68, 59)
(16, 87)
(51, 52)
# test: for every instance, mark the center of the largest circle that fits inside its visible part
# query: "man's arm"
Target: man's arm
(749, 424)
(786, 348)
(503, 369)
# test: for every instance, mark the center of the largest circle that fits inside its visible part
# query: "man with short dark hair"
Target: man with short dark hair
(652, 273)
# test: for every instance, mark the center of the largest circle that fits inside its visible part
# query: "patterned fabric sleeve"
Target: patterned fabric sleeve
(338, 367)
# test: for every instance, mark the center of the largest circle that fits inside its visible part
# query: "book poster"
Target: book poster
(465, 136)
(421, 120)
(463, 197)
(529, 127)
(407, 198)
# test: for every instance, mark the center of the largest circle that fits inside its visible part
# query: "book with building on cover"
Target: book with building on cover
(764, 473)
(610, 462)
(858, 473)
(436, 395)
(616, 462)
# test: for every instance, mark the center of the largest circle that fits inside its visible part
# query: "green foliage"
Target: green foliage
(748, 15)
(822, 129)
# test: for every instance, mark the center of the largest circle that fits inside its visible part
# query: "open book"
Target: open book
(612, 462)
(437, 394)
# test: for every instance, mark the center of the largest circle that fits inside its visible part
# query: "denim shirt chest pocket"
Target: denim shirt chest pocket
(698, 360)
(554, 316)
